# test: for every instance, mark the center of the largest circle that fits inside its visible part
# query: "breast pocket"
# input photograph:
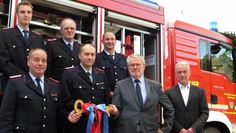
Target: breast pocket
(14, 49)
(81, 90)
(24, 99)
(59, 60)
(54, 97)
(100, 86)
(19, 127)
(106, 67)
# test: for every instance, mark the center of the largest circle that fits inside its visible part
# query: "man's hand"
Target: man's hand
(111, 93)
(74, 117)
(183, 131)
(113, 110)
(159, 131)
(190, 130)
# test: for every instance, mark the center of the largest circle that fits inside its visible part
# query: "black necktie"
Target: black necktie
(138, 92)
(69, 46)
(111, 56)
(89, 75)
(38, 84)
(25, 35)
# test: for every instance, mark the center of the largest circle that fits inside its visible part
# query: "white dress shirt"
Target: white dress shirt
(185, 92)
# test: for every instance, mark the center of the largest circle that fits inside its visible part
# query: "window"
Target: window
(204, 55)
(222, 60)
(4, 7)
(217, 58)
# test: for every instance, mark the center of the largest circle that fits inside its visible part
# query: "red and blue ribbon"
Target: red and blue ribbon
(96, 113)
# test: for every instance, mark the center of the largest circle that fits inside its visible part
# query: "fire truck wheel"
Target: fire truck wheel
(211, 130)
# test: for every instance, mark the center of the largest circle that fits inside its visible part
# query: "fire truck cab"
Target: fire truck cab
(212, 60)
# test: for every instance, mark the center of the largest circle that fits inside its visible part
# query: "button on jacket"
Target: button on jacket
(26, 109)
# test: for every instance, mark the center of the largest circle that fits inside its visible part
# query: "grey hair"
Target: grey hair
(182, 63)
(133, 56)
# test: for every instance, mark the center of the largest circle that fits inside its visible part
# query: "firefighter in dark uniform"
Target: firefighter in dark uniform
(32, 103)
(29, 106)
(76, 83)
(62, 52)
(15, 44)
(114, 64)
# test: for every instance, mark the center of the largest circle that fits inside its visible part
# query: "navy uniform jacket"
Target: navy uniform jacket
(115, 70)
(76, 84)
(60, 57)
(194, 115)
(25, 109)
(14, 51)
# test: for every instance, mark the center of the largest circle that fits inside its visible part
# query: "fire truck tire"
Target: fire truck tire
(211, 130)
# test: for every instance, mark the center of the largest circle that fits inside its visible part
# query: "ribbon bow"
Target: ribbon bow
(95, 116)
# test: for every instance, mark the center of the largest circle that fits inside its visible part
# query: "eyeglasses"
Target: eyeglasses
(135, 65)
(69, 28)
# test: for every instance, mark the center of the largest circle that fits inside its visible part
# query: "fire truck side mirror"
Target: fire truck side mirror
(215, 49)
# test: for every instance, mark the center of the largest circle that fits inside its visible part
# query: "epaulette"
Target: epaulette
(52, 39)
(6, 28)
(53, 80)
(99, 69)
(37, 33)
(15, 76)
(69, 67)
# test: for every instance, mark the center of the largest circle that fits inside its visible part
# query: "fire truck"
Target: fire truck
(140, 27)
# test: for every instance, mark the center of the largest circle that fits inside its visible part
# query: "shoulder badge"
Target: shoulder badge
(53, 39)
(6, 28)
(15, 76)
(99, 69)
(53, 80)
(69, 67)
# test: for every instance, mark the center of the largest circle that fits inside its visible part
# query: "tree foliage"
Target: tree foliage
(231, 35)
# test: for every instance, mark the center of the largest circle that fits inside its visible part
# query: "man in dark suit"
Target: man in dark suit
(137, 99)
(85, 83)
(62, 52)
(113, 63)
(15, 44)
(191, 109)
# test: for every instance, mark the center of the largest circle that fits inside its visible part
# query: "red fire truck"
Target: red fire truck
(140, 28)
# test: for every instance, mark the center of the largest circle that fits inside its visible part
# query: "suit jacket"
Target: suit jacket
(14, 51)
(25, 109)
(195, 114)
(131, 117)
(76, 84)
(60, 57)
(115, 70)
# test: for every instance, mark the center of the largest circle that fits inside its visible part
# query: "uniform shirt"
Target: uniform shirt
(90, 71)
(21, 29)
(41, 81)
(71, 43)
(112, 55)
